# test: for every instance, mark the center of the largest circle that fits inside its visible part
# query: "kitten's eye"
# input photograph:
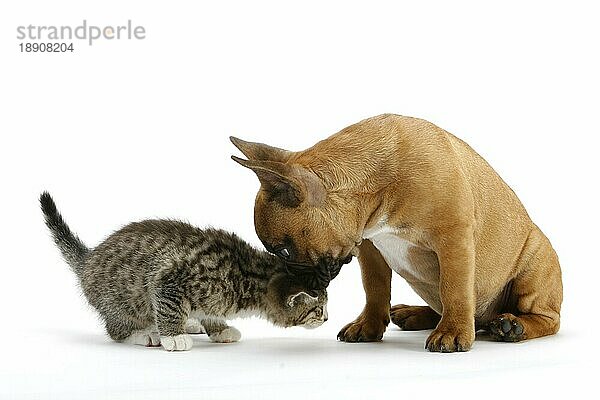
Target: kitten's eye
(285, 253)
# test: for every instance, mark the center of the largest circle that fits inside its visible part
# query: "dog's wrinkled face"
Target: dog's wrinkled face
(304, 237)
(295, 217)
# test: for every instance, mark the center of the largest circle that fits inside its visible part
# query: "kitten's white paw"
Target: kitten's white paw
(144, 338)
(194, 326)
(153, 339)
(177, 343)
(227, 335)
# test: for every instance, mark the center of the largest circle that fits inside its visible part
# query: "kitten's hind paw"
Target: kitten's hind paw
(153, 339)
(227, 335)
(177, 343)
(144, 338)
(194, 326)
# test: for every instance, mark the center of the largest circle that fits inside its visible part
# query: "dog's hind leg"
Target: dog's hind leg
(414, 318)
(535, 298)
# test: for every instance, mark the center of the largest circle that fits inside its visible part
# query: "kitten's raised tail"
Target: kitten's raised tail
(71, 247)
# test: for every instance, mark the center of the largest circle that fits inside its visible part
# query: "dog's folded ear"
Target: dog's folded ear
(289, 185)
(259, 151)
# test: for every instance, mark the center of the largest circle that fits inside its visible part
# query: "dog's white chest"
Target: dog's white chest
(394, 249)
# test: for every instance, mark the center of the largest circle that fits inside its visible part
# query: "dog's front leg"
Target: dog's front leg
(456, 329)
(376, 278)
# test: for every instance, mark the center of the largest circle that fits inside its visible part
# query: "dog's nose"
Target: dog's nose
(334, 269)
(314, 280)
(322, 280)
(347, 260)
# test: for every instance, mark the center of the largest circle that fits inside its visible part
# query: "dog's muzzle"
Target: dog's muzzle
(318, 277)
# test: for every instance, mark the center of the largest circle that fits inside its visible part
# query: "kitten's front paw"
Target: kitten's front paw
(177, 343)
(227, 335)
(194, 326)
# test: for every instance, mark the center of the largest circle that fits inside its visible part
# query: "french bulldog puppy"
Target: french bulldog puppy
(404, 195)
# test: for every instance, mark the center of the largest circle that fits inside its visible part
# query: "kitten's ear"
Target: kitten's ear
(301, 297)
(260, 151)
(290, 185)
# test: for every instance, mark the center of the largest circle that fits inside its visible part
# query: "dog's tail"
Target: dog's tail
(71, 247)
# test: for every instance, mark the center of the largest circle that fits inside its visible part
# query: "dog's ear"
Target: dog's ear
(259, 151)
(289, 185)
(275, 178)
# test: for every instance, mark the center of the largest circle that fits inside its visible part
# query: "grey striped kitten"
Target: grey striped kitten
(155, 281)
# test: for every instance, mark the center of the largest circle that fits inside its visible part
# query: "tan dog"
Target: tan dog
(401, 193)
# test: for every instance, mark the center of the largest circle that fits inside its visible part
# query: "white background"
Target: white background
(126, 130)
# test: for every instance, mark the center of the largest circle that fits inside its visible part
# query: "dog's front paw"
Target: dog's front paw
(176, 343)
(507, 328)
(227, 335)
(448, 339)
(364, 329)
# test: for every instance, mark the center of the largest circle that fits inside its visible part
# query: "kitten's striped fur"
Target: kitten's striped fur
(149, 277)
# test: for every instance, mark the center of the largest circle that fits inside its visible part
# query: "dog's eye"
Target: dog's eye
(285, 253)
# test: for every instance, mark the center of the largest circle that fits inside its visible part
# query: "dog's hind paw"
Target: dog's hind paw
(507, 328)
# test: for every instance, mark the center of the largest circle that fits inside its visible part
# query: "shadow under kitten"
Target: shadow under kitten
(155, 281)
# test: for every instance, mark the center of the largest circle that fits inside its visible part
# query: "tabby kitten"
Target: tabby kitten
(155, 281)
